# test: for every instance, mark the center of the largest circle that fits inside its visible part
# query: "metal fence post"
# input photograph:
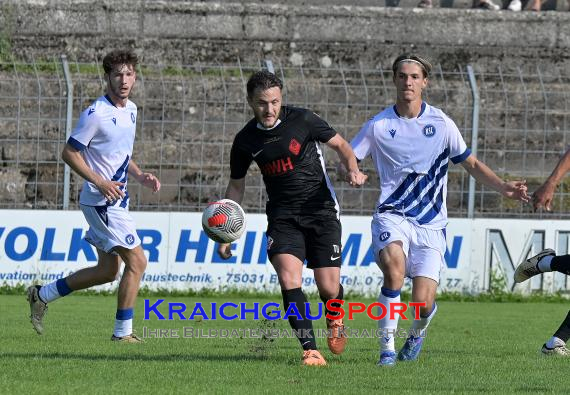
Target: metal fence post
(68, 120)
(474, 136)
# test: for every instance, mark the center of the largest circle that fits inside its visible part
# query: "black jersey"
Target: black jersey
(291, 161)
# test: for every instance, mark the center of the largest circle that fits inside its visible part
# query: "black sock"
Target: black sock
(304, 327)
(340, 296)
(564, 331)
(561, 264)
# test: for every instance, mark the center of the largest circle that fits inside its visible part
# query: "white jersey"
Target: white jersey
(412, 157)
(105, 135)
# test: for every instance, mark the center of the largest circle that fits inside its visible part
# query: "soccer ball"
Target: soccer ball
(223, 221)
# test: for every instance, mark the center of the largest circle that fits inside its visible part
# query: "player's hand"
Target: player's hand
(542, 197)
(516, 190)
(225, 250)
(150, 181)
(111, 190)
(356, 178)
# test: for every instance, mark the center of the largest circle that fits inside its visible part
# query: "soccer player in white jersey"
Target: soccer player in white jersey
(100, 150)
(411, 144)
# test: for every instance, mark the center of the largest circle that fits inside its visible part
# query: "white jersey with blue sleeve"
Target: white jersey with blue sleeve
(105, 135)
(412, 158)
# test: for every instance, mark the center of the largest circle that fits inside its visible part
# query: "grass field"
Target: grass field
(471, 347)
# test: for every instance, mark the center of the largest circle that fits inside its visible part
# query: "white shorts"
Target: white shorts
(109, 227)
(424, 248)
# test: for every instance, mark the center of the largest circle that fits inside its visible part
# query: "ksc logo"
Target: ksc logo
(130, 239)
(429, 131)
(384, 236)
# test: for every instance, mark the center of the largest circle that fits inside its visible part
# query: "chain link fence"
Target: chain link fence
(189, 115)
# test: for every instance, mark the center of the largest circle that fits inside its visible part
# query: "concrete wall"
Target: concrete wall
(186, 32)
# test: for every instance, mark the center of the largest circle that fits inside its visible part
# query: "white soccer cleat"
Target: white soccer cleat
(529, 268)
(559, 351)
(515, 5)
(38, 309)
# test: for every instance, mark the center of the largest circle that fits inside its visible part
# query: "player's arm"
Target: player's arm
(516, 190)
(234, 191)
(109, 189)
(542, 197)
(148, 180)
(353, 176)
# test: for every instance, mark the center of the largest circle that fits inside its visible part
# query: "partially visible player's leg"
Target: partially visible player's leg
(535, 265)
(328, 283)
(289, 271)
(286, 250)
(39, 296)
(324, 257)
(423, 291)
(135, 265)
(556, 345)
(426, 258)
(392, 263)
(390, 240)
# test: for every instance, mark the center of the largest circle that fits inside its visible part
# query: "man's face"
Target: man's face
(266, 105)
(410, 82)
(121, 80)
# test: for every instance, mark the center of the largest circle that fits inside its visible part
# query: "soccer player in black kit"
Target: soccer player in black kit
(547, 260)
(302, 209)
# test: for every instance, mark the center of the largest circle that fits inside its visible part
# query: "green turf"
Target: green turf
(471, 347)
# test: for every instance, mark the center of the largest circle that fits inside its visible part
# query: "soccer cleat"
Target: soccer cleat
(559, 351)
(487, 5)
(515, 5)
(132, 338)
(38, 309)
(337, 338)
(425, 4)
(411, 350)
(313, 358)
(387, 358)
(529, 268)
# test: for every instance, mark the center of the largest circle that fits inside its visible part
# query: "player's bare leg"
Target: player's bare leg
(135, 265)
(328, 283)
(104, 272)
(423, 291)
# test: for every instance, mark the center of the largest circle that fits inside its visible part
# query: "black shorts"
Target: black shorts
(315, 238)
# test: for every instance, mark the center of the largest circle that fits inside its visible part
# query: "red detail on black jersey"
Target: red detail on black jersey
(217, 220)
(277, 167)
(294, 147)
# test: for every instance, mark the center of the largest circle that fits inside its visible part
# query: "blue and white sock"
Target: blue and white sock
(123, 322)
(387, 325)
(419, 326)
(52, 291)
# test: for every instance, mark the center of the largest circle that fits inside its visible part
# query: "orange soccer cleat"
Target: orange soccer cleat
(337, 339)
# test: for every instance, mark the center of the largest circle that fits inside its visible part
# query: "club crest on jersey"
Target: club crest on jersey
(384, 236)
(392, 132)
(294, 147)
(130, 239)
(133, 117)
(429, 131)
(91, 111)
(114, 121)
